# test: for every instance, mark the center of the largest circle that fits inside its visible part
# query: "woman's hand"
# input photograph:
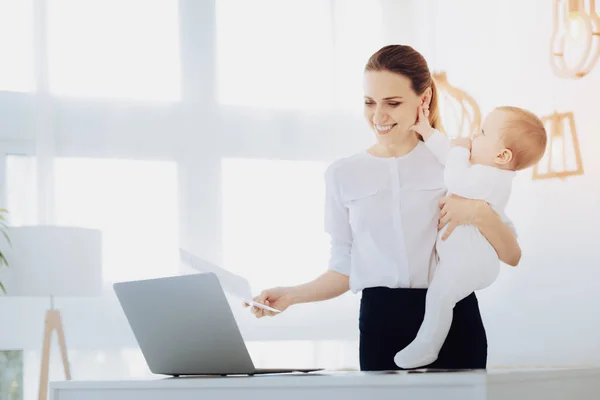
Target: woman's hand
(457, 210)
(326, 286)
(279, 298)
(422, 126)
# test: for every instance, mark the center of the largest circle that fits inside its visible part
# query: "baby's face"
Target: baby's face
(487, 144)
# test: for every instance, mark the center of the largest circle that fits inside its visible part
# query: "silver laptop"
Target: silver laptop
(184, 326)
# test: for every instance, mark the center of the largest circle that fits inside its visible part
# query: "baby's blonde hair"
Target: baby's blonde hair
(525, 135)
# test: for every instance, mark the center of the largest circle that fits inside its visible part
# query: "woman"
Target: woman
(383, 214)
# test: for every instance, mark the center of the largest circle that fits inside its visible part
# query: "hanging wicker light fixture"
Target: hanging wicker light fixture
(563, 156)
(575, 41)
(460, 113)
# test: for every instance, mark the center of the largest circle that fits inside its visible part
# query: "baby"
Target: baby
(482, 168)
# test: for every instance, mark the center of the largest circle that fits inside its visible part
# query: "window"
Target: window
(273, 234)
(21, 193)
(274, 54)
(358, 34)
(16, 45)
(114, 49)
(307, 54)
(273, 220)
(133, 203)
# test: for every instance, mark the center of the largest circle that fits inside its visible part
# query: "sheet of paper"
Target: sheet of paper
(230, 282)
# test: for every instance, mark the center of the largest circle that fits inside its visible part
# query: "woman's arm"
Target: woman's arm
(336, 280)
(500, 236)
(457, 211)
(327, 286)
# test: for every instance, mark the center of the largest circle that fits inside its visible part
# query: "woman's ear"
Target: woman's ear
(504, 157)
(426, 97)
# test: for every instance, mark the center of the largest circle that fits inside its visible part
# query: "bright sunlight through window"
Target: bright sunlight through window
(274, 54)
(126, 49)
(358, 29)
(133, 203)
(273, 213)
(16, 45)
(295, 55)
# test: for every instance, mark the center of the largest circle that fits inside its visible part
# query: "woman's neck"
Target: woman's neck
(394, 146)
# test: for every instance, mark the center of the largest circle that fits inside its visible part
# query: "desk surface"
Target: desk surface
(581, 383)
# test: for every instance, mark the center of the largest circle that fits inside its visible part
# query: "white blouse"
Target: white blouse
(382, 216)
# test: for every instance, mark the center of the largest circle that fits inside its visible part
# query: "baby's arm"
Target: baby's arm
(436, 141)
(439, 144)
(462, 142)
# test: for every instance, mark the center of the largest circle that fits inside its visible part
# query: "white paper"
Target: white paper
(230, 282)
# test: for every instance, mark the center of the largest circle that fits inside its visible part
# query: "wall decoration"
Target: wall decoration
(575, 41)
(460, 113)
(563, 156)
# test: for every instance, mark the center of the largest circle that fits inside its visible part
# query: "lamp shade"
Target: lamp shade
(563, 155)
(459, 111)
(53, 261)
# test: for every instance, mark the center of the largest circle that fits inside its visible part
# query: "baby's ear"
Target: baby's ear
(504, 157)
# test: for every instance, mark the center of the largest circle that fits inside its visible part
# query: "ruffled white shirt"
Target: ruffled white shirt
(382, 216)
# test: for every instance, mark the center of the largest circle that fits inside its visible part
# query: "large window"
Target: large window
(133, 203)
(16, 45)
(358, 33)
(114, 49)
(273, 212)
(273, 220)
(275, 54)
(293, 54)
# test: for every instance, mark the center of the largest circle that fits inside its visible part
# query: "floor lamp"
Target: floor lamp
(53, 261)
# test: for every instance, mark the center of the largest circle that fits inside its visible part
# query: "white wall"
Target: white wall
(545, 312)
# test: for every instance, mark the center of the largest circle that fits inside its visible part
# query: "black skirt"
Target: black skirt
(389, 321)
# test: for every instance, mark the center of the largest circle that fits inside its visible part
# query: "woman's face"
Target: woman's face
(391, 105)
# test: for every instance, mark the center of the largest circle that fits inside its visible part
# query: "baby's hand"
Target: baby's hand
(422, 125)
(463, 142)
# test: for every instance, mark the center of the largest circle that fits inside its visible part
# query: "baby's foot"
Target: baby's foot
(416, 354)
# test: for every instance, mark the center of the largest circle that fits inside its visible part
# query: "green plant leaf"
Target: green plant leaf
(4, 210)
(3, 260)
(2, 288)
(6, 236)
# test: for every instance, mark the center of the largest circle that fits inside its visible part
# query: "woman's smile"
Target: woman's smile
(384, 128)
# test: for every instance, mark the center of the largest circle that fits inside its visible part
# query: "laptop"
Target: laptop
(184, 326)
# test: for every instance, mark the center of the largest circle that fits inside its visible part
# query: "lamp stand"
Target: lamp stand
(53, 322)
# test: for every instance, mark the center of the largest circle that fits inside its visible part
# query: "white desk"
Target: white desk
(568, 384)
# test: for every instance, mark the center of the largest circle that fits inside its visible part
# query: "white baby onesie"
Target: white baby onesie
(467, 261)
